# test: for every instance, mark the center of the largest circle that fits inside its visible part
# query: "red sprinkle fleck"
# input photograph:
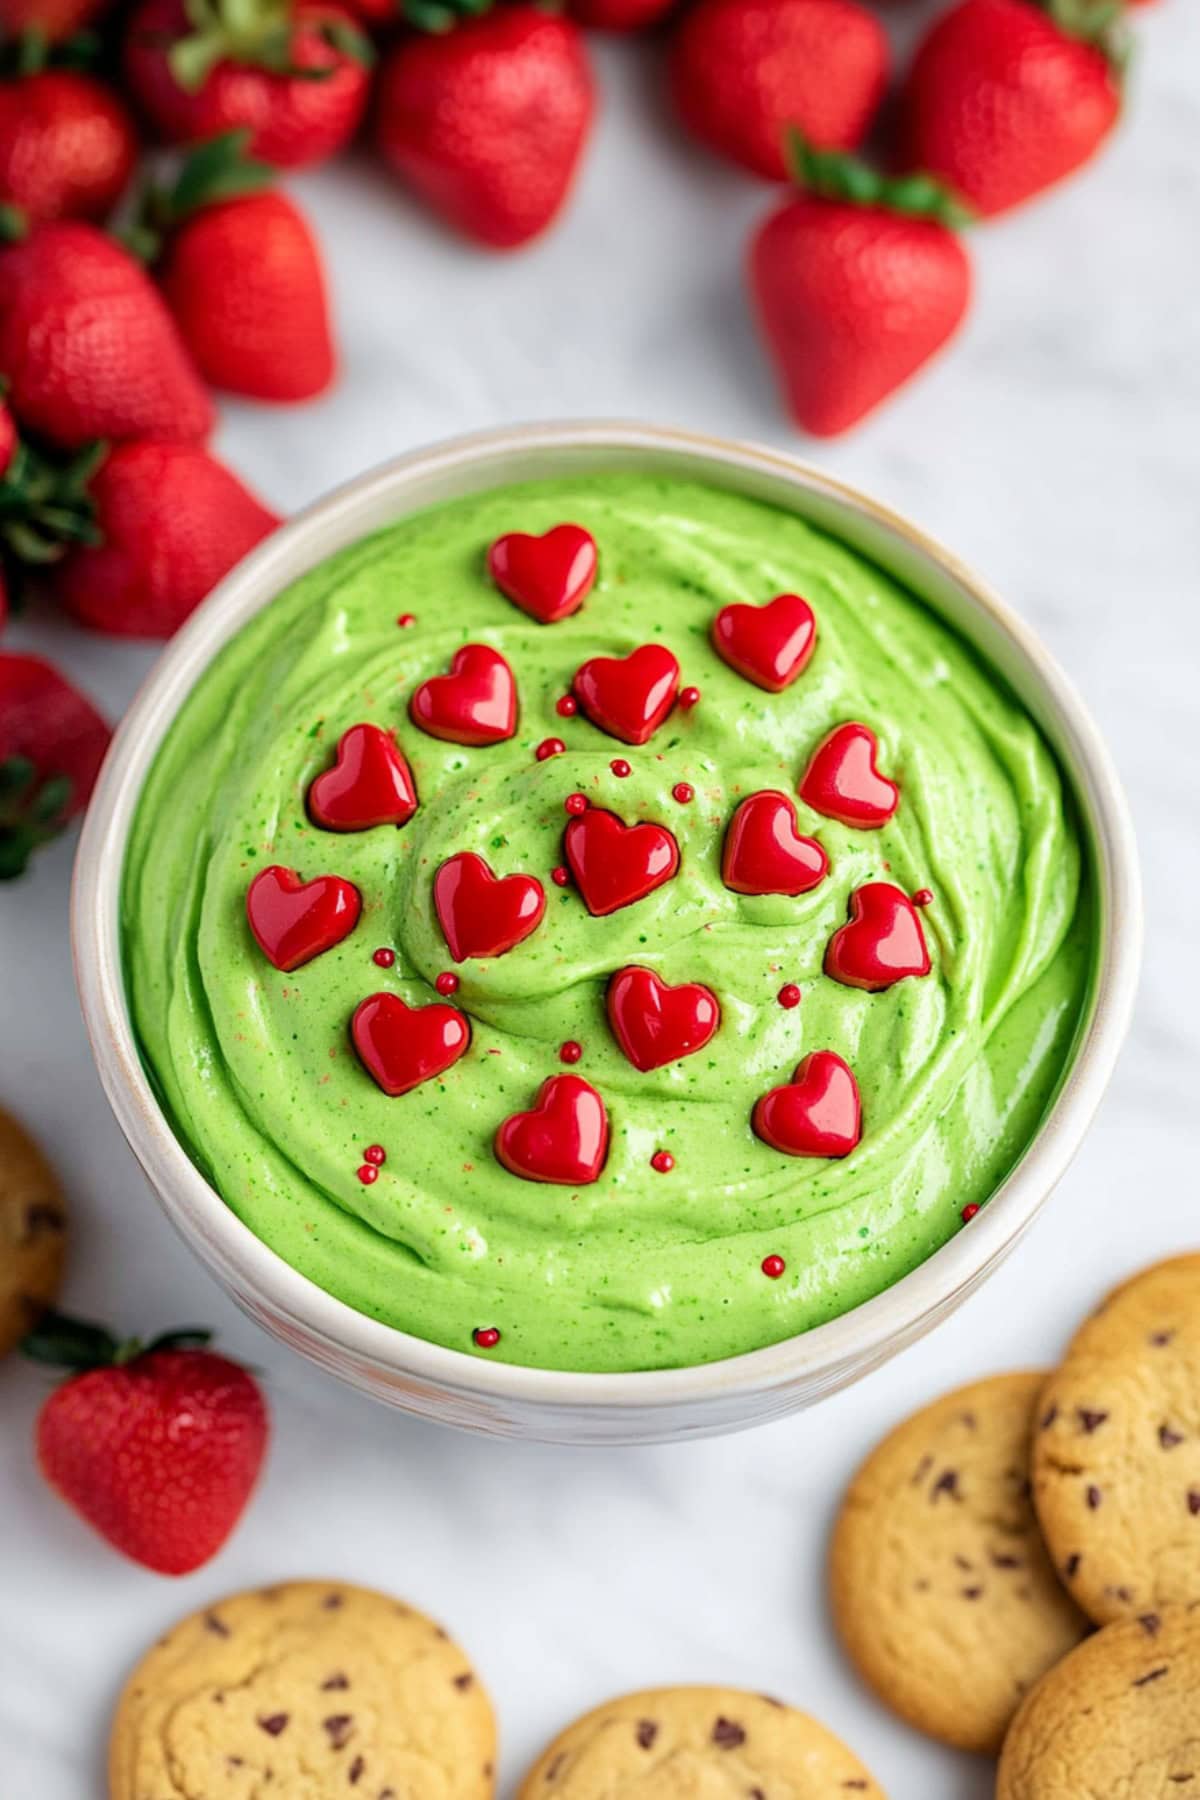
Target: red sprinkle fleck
(688, 697)
(567, 707)
(384, 958)
(662, 1161)
(560, 876)
(923, 897)
(375, 1153)
(620, 767)
(447, 982)
(576, 804)
(968, 1212)
(486, 1336)
(789, 995)
(549, 747)
(368, 1173)
(684, 792)
(570, 1052)
(773, 1267)
(405, 620)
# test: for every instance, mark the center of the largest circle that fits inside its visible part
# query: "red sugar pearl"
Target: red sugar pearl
(368, 1173)
(549, 747)
(384, 957)
(684, 792)
(662, 1162)
(567, 707)
(375, 1153)
(486, 1336)
(570, 1052)
(576, 804)
(560, 876)
(620, 767)
(688, 697)
(923, 897)
(968, 1212)
(405, 620)
(789, 995)
(773, 1267)
(447, 982)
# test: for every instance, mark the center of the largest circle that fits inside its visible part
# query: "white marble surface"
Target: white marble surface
(1057, 449)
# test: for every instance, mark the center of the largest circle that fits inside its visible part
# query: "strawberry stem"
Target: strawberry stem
(1100, 23)
(835, 175)
(61, 1342)
(254, 32)
(439, 16)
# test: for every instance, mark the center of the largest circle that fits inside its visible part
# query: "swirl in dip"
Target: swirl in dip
(645, 1217)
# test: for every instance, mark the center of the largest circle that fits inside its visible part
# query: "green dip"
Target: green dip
(638, 1270)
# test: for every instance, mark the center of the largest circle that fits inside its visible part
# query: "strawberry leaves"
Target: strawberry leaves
(836, 175)
(61, 1342)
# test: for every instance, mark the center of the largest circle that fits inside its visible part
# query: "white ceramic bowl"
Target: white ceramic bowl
(464, 1390)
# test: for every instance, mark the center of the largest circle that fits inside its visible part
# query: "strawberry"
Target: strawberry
(242, 275)
(1006, 97)
(857, 281)
(742, 71)
(488, 121)
(295, 76)
(158, 1446)
(620, 15)
(67, 144)
(8, 438)
(54, 20)
(88, 346)
(52, 742)
(171, 521)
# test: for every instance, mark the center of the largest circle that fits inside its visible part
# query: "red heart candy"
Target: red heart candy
(548, 577)
(476, 703)
(817, 1113)
(764, 851)
(882, 942)
(655, 1023)
(482, 914)
(369, 784)
(842, 782)
(770, 644)
(401, 1046)
(615, 864)
(564, 1139)
(629, 696)
(294, 920)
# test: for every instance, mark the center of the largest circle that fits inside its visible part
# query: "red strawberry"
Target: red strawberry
(67, 146)
(52, 742)
(488, 121)
(1006, 97)
(296, 76)
(88, 347)
(157, 1448)
(620, 15)
(243, 277)
(857, 283)
(742, 71)
(173, 521)
(53, 19)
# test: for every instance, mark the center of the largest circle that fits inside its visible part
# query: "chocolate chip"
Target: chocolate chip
(386, 1794)
(217, 1626)
(356, 1770)
(331, 1602)
(1152, 1675)
(339, 1726)
(756, 1793)
(1120, 1593)
(463, 1682)
(236, 1762)
(964, 1563)
(1159, 1338)
(1150, 1623)
(921, 1471)
(1180, 1779)
(645, 1733)
(42, 1220)
(1168, 1438)
(1071, 1566)
(1093, 1498)
(971, 1593)
(969, 1420)
(946, 1483)
(1193, 1500)
(1001, 1559)
(727, 1734)
(333, 1682)
(274, 1723)
(1090, 1420)
(1049, 1416)
(554, 1766)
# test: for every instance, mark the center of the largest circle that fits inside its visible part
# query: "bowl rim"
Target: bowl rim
(857, 1338)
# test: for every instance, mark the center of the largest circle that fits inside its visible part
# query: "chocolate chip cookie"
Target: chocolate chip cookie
(311, 1690)
(1116, 1455)
(33, 1225)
